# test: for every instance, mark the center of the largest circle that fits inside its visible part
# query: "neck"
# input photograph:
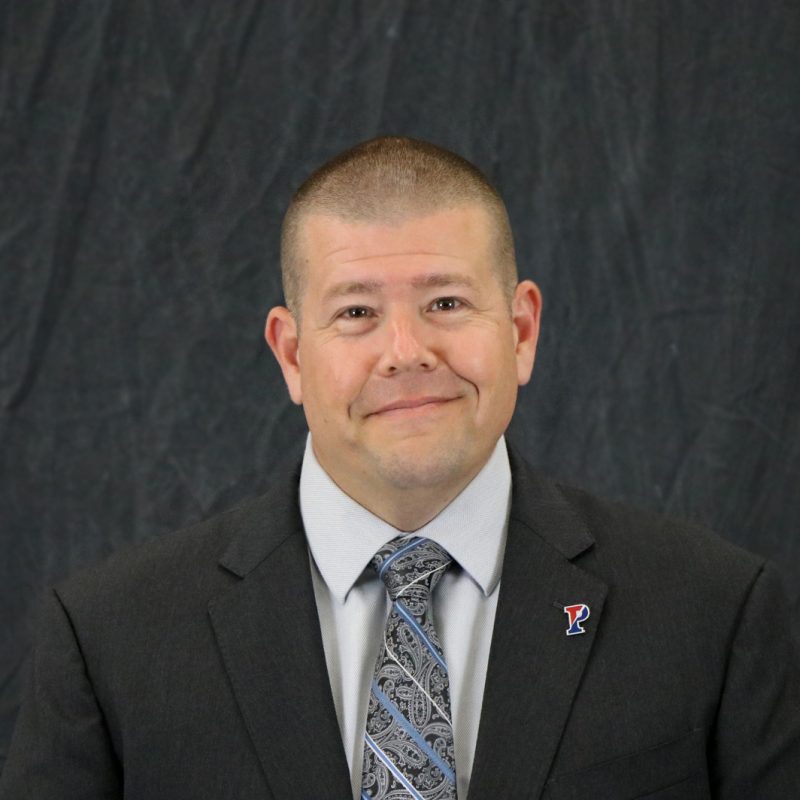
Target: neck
(409, 510)
(406, 508)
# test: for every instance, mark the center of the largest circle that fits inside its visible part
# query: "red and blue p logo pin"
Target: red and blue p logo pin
(577, 613)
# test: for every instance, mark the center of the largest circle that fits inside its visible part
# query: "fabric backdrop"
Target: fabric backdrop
(648, 152)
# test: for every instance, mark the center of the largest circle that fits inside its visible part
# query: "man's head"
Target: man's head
(399, 273)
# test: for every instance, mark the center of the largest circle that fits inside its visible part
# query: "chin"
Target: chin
(412, 470)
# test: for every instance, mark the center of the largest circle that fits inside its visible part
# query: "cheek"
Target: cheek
(483, 362)
(329, 381)
(492, 369)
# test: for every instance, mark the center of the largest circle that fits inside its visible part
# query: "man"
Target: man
(413, 611)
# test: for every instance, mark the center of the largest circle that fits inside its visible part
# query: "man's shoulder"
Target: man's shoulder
(633, 545)
(655, 531)
(193, 561)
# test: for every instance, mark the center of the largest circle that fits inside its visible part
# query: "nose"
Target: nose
(407, 345)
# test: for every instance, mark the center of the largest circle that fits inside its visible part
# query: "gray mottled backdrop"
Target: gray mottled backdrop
(648, 152)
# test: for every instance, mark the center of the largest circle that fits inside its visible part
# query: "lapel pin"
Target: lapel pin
(577, 613)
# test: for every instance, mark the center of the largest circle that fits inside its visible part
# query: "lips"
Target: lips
(411, 403)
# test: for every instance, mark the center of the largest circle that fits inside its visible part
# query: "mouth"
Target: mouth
(412, 405)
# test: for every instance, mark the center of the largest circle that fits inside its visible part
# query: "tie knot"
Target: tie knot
(411, 568)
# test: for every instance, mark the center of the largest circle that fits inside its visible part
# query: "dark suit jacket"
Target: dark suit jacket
(193, 668)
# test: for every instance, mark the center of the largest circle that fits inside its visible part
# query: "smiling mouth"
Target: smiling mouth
(413, 411)
(412, 406)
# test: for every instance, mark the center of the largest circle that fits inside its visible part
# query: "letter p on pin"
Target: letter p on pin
(577, 613)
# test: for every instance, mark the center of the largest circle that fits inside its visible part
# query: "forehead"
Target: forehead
(447, 247)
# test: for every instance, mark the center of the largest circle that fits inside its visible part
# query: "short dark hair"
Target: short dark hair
(392, 178)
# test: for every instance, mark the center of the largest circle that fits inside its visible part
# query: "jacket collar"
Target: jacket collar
(541, 506)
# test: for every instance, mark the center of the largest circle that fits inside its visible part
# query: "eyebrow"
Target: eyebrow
(427, 281)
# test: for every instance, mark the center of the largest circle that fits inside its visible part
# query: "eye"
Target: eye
(355, 312)
(449, 303)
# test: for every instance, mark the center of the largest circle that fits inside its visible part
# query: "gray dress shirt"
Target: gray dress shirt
(353, 603)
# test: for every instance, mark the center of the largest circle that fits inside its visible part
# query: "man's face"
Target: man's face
(408, 313)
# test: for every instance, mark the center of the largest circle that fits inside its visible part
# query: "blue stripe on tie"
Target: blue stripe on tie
(392, 768)
(413, 732)
(406, 614)
(393, 556)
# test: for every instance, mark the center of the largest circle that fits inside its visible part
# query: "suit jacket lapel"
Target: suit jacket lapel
(534, 667)
(268, 632)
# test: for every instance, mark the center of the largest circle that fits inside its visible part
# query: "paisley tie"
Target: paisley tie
(408, 743)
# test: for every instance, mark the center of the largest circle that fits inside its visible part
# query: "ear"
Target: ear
(280, 332)
(526, 314)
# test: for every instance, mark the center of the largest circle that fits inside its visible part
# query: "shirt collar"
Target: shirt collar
(343, 536)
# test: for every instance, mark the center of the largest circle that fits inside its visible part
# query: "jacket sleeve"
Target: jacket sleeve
(755, 750)
(61, 749)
